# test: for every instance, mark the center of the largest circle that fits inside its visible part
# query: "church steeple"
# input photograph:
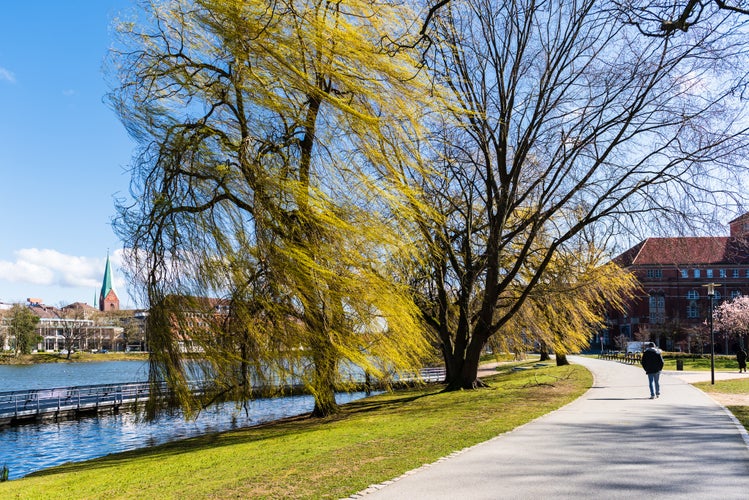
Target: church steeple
(108, 300)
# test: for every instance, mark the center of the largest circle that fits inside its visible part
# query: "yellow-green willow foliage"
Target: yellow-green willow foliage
(569, 304)
(270, 132)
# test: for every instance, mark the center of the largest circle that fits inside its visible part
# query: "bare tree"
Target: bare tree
(665, 17)
(73, 323)
(564, 122)
(654, 18)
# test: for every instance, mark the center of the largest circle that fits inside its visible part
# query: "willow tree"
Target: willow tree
(269, 132)
(571, 301)
(565, 117)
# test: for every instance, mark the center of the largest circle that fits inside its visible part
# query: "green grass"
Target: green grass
(368, 442)
(741, 413)
(505, 357)
(722, 363)
(732, 386)
(77, 357)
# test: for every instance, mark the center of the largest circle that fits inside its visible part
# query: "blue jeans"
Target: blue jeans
(654, 380)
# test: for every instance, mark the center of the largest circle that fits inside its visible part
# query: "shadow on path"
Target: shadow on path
(613, 442)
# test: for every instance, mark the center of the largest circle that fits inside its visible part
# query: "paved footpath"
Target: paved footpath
(612, 442)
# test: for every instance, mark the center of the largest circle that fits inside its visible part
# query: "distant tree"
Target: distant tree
(699, 337)
(4, 328)
(644, 334)
(620, 342)
(732, 318)
(73, 325)
(23, 327)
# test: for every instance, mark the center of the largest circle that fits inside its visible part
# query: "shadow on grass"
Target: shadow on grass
(289, 426)
(396, 405)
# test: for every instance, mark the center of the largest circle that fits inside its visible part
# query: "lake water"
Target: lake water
(52, 375)
(28, 448)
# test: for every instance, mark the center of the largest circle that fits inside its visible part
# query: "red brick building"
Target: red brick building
(672, 304)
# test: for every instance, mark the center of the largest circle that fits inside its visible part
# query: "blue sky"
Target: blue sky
(63, 152)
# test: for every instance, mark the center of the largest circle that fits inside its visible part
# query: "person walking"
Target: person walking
(652, 362)
(741, 358)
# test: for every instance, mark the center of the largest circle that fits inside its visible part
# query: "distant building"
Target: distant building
(672, 304)
(108, 300)
(81, 326)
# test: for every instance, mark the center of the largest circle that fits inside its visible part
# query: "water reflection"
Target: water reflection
(34, 447)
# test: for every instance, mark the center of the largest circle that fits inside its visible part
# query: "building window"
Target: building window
(657, 308)
(735, 273)
(709, 273)
(696, 273)
(685, 273)
(722, 273)
(692, 310)
(735, 294)
(655, 273)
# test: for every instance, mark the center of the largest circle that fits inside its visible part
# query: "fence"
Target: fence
(43, 404)
(630, 358)
(17, 407)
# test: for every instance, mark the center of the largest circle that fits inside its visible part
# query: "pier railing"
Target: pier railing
(42, 404)
(18, 407)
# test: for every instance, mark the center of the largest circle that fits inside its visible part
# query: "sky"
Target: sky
(63, 152)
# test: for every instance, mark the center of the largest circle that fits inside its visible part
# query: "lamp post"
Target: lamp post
(711, 294)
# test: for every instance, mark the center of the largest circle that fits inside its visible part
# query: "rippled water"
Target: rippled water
(34, 447)
(51, 375)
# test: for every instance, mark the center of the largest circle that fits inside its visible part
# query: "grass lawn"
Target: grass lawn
(734, 386)
(368, 442)
(77, 357)
(722, 363)
(741, 413)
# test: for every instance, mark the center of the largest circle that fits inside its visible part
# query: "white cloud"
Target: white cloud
(47, 267)
(7, 75)
(56, 277)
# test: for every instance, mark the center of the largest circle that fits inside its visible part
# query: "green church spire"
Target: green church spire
(106, 284)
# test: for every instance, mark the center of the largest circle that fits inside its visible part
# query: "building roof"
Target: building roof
(81, 306)
(43, 311)
(686, 251)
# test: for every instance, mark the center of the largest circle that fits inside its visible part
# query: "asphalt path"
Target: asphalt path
(613, 442)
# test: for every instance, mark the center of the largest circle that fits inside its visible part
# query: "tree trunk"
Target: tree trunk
(561, 359)
(544, 352)
(470, 366)
(325, 403)
(323, 383)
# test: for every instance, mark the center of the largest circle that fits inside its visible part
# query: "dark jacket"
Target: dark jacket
(741, 356)
(652, 361)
